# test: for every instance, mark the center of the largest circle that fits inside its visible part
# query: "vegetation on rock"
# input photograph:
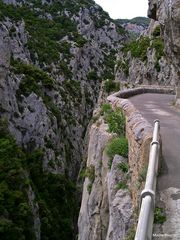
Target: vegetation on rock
(18, 170)
(16, 221)
(116, 124)
(121, 185)
(138, 48)
(117, 146)
(48, 60)
(159, 215)
(111, 86)
(114, 118)
(123, 166)
(158, 45)
(124, 65)
(157, 31)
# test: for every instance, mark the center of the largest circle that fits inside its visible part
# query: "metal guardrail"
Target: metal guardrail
(146, 216)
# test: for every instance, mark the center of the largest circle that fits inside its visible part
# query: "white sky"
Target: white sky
(124, 8)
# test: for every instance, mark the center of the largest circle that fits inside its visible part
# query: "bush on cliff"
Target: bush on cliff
(114, 118)
(117, 146)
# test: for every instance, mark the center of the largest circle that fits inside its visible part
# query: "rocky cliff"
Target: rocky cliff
(110, 196)
(154, 57)
(106, 208)
(54, 56)
(167, 13)
(115, 170)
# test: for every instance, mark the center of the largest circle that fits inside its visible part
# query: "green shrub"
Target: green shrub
(82, 173)
(159, 215)
(111, 86)
(55, 194)
(55, 197)
(44, 34)
(123, 166)
(121, 185)
(16, 218)
(157, 31)
(124, 66)
(63, 66)
(157, 66)
(90, 173)
(158, 44)
(109, 63)
(65, 49)
(114, 118)
(92, 75)
(80, 40)
(116, 121)
(33, 76)
(106, 108)
(117, 146)
(48, 143)
(138, 48)
(73, 88)
(121, 30)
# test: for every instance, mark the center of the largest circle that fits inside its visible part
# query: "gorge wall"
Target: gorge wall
(151, 59)
(106, 211)
(154, 57)
(53, 58)
(110, 194)
(167, 13)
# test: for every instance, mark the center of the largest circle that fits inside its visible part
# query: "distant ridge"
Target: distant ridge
(135, 25)
(143, 21)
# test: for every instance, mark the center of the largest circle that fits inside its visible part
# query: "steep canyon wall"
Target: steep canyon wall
(154, 57)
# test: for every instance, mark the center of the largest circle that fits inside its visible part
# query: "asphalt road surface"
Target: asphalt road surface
(160, 106)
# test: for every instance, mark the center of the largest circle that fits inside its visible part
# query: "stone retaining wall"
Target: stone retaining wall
(140, 90)
(139, 133)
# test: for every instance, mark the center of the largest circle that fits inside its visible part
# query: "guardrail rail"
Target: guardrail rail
(146, 215)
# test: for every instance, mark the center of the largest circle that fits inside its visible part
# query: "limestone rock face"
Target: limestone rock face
(168, 15)
(152, 9)
(120, 203)
(77, 77)
(161, 59)
(106, 212)
(5, 51)
(35, 211)
(93, 216)
(54, 56)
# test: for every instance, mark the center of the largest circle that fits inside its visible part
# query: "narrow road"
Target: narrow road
(160, 106)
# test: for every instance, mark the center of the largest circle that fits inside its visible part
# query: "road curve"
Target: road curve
(159, 106)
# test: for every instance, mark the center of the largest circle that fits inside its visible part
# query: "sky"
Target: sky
(124, 8)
